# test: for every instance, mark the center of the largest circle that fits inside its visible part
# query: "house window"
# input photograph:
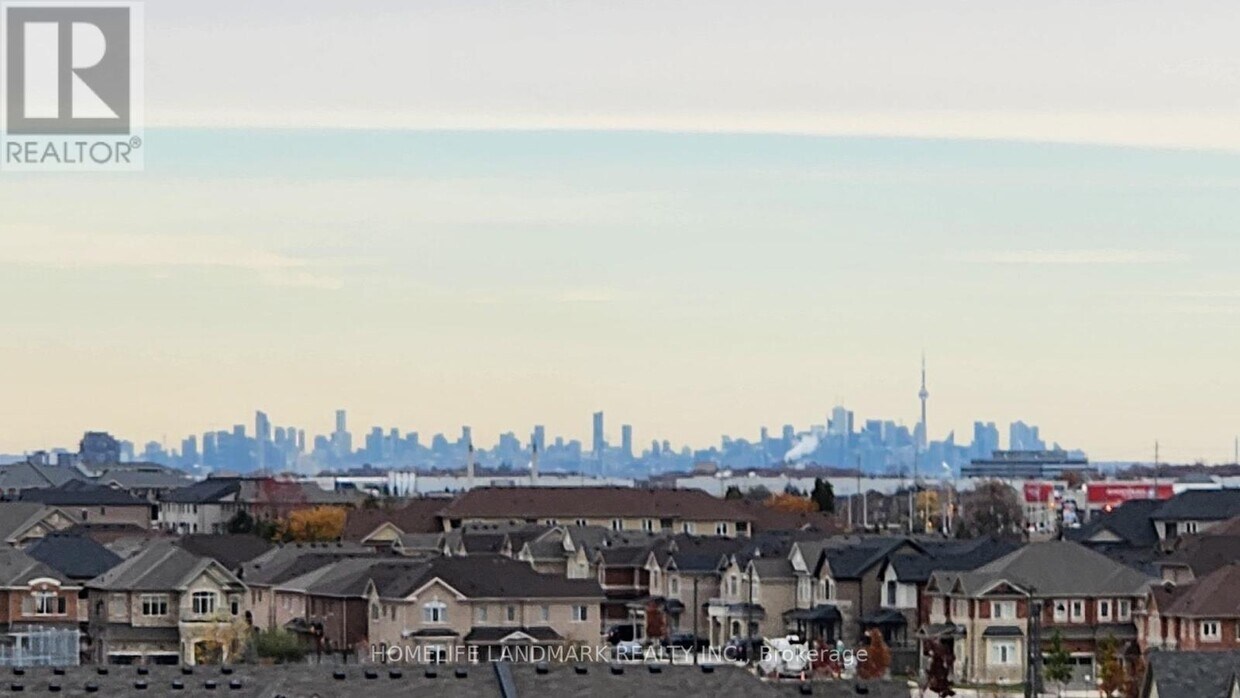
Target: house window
(154, 604)
(1211, 631)
(1078, 611)
(721, 529)
(687, 527)
(581, 613)
(648, 525)
(581, 522)
(1124, 609)
(1104, 611)
(203, 602)
(1061, 611)
(374, 611)
(48, 603)
(891, 593)
(960, 608)
(434, 612)
(544, 612)
(733, 585)
(1003, 652)
(673, 585)
(234, 605)
(1002, 610)
(617, 525)
(482, 614)
(1190, 526)
(511, 613)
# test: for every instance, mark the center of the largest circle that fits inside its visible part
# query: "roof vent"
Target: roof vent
(371, 674)
(140, 685)
(581, 669)
(53, 688)
(861, 690)
(708, 668)
(15, 687)
(178, 685)
(143, 671)
(18, 671)
(187, 670)
(617, 669)
(806, 688)
(461, 672)
(542, 668)
(58, 671)
(339, 675)
(92, 688)
(102, 671)
(395, 674)
(655, 668)
(226, 670)
(430, 672)
(209, 684)
(235, 684)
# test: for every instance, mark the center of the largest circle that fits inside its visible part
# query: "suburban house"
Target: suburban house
(383, 527)
(278, 565)
(487, 602)
(1194, 511)
(983, 614)
(848, 571)
(1203, 615)
(91, 503)
(22, 523)
(208, 506)
(19, 477)
(166, 605)
(617, 508)
(34, 596)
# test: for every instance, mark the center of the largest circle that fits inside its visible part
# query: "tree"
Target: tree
(656, 623)
(316, 524)
(1110, 668)
(991, 509)
(938, 674)
(758, 494)
(823, 495)
(733, 492)
(241, 522)
(227, 636)
(791, 502)
(1134, 677)
(877, 659)
(1057, 664)
(279, 645)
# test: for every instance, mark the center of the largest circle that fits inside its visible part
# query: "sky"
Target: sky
(700, 217)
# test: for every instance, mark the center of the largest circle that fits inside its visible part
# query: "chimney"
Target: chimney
(469, 468)
(534, 462)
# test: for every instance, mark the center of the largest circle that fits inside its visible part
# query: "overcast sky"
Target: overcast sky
(700, 217)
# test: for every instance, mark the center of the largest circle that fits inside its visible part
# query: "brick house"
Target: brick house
(1201, 616)
(32, 594)
(983, 614)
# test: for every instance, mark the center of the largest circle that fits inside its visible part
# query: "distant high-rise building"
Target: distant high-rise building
(1024, 437)
(626, 440)
(540, 437)
(99, 448)
(985, 439)
(342, 420)
(598, 442)
(342, 440)
(189, 451)
(262, 435)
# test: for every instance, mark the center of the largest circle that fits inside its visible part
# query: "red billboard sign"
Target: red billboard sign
(1114, 493)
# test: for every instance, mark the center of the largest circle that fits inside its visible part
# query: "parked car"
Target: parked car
(686, 641)
(624, 632)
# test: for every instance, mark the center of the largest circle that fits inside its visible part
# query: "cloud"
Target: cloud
(1097, 257)
(159, 253)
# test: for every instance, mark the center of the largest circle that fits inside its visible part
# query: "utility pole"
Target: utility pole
(1033, 647)
(865, 514)
(696, 611)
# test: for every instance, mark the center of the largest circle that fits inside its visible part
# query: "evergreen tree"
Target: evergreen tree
(823, 495)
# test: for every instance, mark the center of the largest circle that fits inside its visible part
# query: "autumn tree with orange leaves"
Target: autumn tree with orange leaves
(877, 657)
(791, 502)
(316, 524)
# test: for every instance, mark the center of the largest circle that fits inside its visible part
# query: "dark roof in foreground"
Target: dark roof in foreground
(1200, 505)
(1195, 674)
(478, 681)
(524, 503)
(1129, 522)
(80, 493)
(74, 555)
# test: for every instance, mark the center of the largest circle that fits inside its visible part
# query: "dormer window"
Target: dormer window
(203, 602)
